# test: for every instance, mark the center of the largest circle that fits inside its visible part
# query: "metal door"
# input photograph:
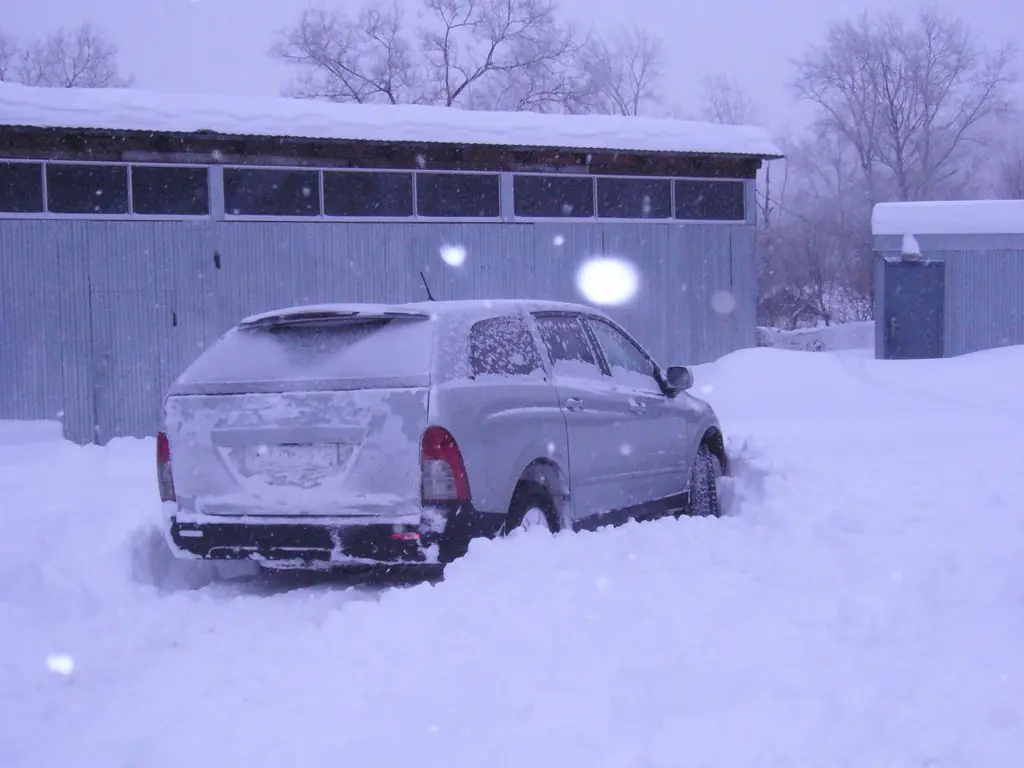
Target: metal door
(914, 309)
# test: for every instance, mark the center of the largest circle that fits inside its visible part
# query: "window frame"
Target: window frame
(318, 216)
(110, 216)
(417, 216)
(331, 217)
(743, 187)
(42, 178)
(553, 219)
(505, 196)
(170, 216)
(669, 180)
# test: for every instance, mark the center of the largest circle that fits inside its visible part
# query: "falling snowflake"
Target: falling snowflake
(559, 240)
(608, 280)
(60, 664)
(453, 255)
(625, 449)
(723, 302)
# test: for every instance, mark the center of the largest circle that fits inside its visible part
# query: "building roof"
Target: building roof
(122, 109)
(954, 217)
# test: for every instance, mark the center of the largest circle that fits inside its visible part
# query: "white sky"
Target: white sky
(219, 46)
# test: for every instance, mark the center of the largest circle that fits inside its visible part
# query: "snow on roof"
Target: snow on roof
(959, 217)
(136, 110)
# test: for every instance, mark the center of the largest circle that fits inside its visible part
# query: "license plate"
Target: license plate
(264, 458)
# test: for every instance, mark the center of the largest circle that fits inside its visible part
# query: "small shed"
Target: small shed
(949, 277)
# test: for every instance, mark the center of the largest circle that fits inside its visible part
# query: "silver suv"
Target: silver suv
(324, 436)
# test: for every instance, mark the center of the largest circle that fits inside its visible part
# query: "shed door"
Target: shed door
(915, 296)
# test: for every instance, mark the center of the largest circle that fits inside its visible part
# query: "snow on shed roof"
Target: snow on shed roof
(135, 110)
(956, 217)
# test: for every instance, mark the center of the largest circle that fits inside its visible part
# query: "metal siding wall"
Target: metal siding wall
(985, 300)
(31, 363)
(742, 327)
(103, 315)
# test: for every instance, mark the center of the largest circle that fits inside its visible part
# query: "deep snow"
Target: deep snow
(862, 605)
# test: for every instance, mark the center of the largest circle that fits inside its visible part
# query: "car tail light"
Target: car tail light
(443, 471)
(163, 467)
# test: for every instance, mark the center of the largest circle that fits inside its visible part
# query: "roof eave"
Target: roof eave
(93, 131)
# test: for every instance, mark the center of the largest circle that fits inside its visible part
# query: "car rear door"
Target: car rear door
(658, 435)
(600, 475)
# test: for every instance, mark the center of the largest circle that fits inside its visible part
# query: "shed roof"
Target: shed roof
(122, 109)
(953, 217)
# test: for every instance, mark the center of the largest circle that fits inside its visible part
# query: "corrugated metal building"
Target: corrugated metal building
(949, 277)
(135, 228)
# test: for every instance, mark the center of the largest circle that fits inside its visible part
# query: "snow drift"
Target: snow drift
(859, 606)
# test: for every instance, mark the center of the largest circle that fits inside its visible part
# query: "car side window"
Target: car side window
(629, 366)
(503, 346)
(567, 343)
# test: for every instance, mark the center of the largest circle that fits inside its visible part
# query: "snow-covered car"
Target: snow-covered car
(321, 436)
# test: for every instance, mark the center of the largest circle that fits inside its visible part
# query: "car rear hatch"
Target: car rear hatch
(315, 412)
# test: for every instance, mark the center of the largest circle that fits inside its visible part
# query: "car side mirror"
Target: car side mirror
(679, 378)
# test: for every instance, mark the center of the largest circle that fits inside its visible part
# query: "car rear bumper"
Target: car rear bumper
(318, 543)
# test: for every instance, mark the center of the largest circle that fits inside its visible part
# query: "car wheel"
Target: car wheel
(704, 484)
(532, 511)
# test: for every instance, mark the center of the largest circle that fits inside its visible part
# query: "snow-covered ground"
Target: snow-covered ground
(862, 605)
(846, 336)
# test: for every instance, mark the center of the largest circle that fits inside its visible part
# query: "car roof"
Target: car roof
(430, 308)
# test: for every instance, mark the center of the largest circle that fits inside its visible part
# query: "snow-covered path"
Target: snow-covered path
(863, 606)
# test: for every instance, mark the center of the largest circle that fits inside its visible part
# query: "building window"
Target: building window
(88, 189)
(170, 190)
(553, 196)
(21, 187)
(634, 198)
(710, 200)
(271, 192)
(355, 193)
(458, 195)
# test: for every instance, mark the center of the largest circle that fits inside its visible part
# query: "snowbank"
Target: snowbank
(135, 110)
(846, 336)
(861, 607)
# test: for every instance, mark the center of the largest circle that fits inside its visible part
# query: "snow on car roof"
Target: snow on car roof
(957, 217)
(124, 109)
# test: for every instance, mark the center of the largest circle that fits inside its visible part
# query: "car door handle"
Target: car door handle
(573, 404)
(637, 406)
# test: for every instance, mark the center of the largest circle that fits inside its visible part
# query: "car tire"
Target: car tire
(531, 506)
(704, 484)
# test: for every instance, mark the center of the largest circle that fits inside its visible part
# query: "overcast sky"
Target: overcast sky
(219, 46)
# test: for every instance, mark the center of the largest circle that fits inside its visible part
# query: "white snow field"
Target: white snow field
(862, 605)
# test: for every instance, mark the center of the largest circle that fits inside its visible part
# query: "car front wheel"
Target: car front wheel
(704, 484)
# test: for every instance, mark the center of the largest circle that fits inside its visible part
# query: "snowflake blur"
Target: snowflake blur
(453, 255)
(60, 664)
(608, 280)
(723, 302)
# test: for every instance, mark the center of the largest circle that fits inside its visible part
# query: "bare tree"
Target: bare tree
(723, 100)
(9, 52)
(621, 75)
(483, 53)
(1010, 174)
(912, 102)
(365, 60)
(80, 58)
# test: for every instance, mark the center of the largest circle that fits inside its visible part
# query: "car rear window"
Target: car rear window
(347, 348)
